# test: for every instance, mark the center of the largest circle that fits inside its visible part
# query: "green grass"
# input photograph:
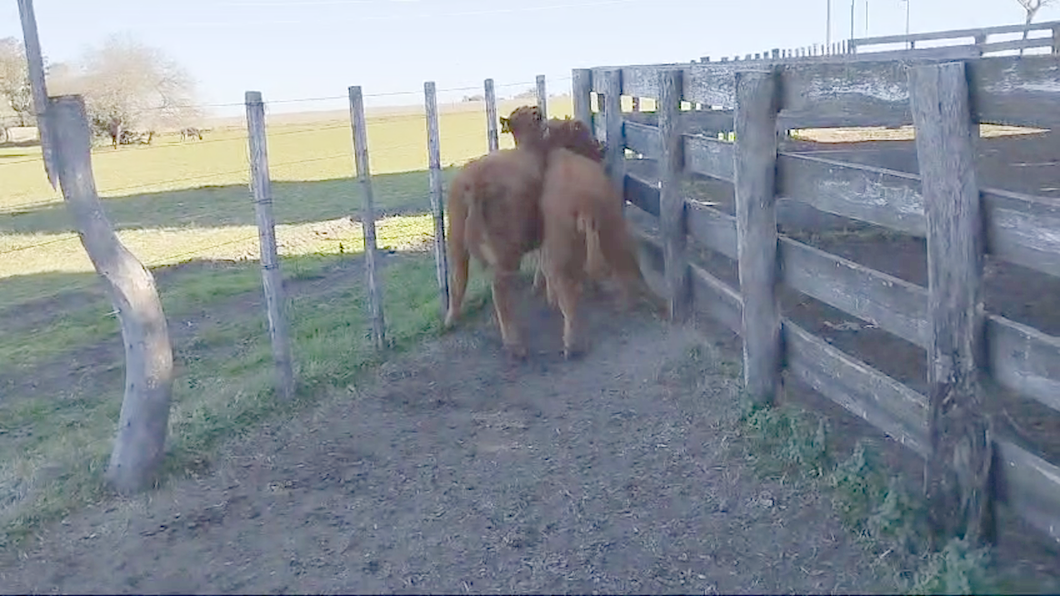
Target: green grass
(175, 202)
(789, 443)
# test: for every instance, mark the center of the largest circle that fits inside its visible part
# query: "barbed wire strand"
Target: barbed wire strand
(219, 212)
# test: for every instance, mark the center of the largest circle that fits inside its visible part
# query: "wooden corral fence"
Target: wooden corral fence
(960, 221)
(953, 44)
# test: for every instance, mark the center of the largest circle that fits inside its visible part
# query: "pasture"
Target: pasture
(184, 209)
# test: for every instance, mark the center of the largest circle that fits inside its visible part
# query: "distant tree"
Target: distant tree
(477, 97)
(1031, 7)
(531, 92)
(16, 98)
(131, 86)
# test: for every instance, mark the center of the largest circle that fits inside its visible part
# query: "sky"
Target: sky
(292, 50)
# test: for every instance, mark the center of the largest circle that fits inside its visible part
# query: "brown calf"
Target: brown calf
(494, 215)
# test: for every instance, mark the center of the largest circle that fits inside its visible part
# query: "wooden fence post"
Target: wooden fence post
(434, 155)
(582, 89)
(615, 154)
(364, 176)
(958, 472)
(542, 97)
(756, 230)
(140, 442)
(1056, 39)
(492, 136)
(272, 281)
(671, 200)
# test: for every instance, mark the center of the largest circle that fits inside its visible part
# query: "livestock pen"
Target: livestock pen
(729, 197)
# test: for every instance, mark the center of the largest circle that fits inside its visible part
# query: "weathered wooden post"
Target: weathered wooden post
(756, 230)
(142, 424)
(611, 103)
(364, 176)
(958, 473)
(434, 157)
(492, 135)
(671, 200)
(272, 280)
(542, 97)
(582, 89)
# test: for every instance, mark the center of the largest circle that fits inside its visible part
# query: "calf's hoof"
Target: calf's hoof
(573, 352)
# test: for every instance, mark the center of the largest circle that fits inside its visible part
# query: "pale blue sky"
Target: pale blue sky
(290, 49)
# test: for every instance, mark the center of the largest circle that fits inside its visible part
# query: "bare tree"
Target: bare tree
(131, 86)
(15, 94)
(1031, 7)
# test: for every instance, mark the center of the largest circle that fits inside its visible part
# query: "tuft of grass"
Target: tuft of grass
(784, 441)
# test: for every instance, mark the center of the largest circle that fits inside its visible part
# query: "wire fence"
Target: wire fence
(245, 245)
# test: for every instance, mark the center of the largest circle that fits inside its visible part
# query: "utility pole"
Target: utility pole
(828, 26)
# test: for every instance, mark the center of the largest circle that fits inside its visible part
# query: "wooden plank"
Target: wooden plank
(893, 304)
(642, 192)
(271, 279)
(710, 157)
(958, 473)
(614, 153)
(712, 228)
(139, 445)
(671, 201)
(713, 298)
(1022, 236)
(434, 160)
(1030, 486)
(1024, 360)
(492, 134)
(708, 83)
(880, 196)
(581, 89)
(952, 34)
(878, 399)
(756, 225)
(364, 177)
(1018, 91)
(642, 139)
(1018, 44)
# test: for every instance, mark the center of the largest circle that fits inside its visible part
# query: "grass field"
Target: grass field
(184, 209)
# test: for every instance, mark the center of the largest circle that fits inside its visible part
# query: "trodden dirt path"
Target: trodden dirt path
(454, 471)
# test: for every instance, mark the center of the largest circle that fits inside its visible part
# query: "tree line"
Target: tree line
(131, 90)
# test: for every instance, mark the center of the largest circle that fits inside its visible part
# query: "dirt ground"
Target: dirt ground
(457, 471)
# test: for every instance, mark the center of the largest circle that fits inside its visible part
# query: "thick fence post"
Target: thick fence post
(272, 281)
(140, 442)
(364, 176)
(582, 89)
(671, 200)
(756, 230)
(958, 473)
(434, 156)
(612, 106)
(542, 97)
(492, 135)
(1056, 39)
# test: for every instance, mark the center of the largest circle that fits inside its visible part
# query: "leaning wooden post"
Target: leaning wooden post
(756, 230)
(140, 443)
(958, 472)
(492, 135)
(364, 176)
(271, 279)
(434, 156)
(671, 200)
(542, 97)
(615, 155)
(582, 89)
